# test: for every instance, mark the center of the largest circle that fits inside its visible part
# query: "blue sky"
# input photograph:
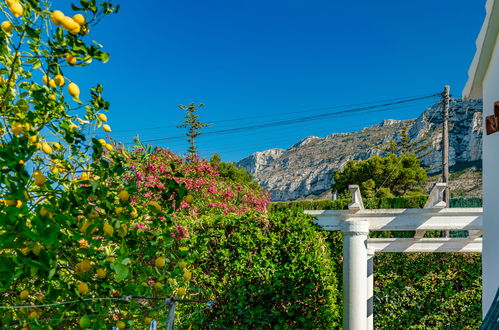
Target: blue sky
(274, 60)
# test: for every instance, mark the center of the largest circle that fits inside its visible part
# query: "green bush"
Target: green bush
(427, 291)
(413, 290)
(264, 272)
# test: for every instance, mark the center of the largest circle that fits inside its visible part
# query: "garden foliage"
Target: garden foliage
(264, 272)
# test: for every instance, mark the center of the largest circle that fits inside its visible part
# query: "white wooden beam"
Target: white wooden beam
(404, 219)
(425, 244)
(357, 203)
(434, 201)
(475, 233)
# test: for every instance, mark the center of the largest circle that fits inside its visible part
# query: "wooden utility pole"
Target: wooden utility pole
(445, 141)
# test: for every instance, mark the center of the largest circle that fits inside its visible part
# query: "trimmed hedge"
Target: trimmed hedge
(414, 290)
(342, 204)
(264, 272)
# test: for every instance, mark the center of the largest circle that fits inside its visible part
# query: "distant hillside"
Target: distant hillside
(306, 168)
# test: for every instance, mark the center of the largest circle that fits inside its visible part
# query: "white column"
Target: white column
(370, 289)
(355, 274)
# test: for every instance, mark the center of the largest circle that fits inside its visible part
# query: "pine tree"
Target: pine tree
(193, 125)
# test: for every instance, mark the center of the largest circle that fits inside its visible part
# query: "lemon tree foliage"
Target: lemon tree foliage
(71, 228)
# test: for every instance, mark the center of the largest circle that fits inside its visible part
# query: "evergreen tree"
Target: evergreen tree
(393, 175)
(193, 125)
(231, 172)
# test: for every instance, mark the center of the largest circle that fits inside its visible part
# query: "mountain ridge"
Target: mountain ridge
(306, 167)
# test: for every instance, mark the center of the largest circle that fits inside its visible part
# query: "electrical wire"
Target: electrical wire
(375, 108)
(276, 114)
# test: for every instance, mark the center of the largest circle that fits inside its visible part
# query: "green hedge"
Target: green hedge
(370, 203)
(415, 290)
(264, 272)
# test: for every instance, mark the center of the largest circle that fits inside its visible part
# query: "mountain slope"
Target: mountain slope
(306, 168)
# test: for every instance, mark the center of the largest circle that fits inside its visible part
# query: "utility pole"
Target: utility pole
(445, 141)
(445, 147)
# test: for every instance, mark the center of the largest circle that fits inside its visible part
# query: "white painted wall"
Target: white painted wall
(490, 256)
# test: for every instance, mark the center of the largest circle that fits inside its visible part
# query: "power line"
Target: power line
(273, 115)
(299, 120)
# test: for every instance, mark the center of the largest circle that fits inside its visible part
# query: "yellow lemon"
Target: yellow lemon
(44, 212)
(11, 202)
(46, 148)
(181, 292)
(102, 142)
(189, 199)
(24, 294)
(79, 18)
(155, 205)
(121, 325)
(85, 176)
(109, 147)
(118, 210)
(52, 97)
(68, 23)
(37, 249)
(7, 26)
(40, 179)
(187, 275)
(106, 128)
(33, 138)
(19, 204)
(57, 17)
(16, 8)
(85, 226)
(108, 229)
(74, 90)
(59, 80)
(160, 262)
(101, 273)
(45, 79)
(76, 29)
(124, 196)
(102, 117)
(92, 215)
(82, 288)
(52, 83)
(182, 265)
(85, 266)
(17, 129)
(70, 59)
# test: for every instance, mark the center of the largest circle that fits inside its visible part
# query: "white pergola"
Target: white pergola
(359, 249)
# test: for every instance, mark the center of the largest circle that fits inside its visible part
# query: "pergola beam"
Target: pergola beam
(403, 219)
(425, 244)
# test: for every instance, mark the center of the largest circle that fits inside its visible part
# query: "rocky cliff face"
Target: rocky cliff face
(306, 168)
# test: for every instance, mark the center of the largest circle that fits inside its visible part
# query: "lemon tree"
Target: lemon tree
(72, 227)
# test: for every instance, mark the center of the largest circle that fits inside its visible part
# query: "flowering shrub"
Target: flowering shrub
(208, 193)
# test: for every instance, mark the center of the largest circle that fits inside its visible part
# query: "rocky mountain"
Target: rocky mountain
(306, 167)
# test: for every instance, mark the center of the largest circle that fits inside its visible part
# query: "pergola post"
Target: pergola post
(370, 288)
(355, 274)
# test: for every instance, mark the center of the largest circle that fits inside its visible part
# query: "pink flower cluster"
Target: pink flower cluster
(180, 232)
(212, 193)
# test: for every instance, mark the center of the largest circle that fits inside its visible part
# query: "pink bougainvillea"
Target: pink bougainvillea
(211, 193)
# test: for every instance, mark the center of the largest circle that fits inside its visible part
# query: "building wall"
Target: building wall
(490, 256)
